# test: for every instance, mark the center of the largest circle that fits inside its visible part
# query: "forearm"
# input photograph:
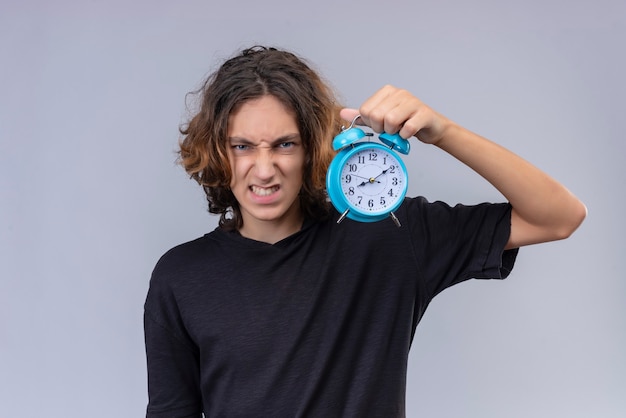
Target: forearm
(543, 209)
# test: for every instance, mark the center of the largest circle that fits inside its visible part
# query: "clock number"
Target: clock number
(370, 203)
(351, 191)
(360, 199)
(392, 168)
(348, 178)
(352, 167)
(394, 181)
(390, 193)
(382, 200)
(373, 156)
(361, 159)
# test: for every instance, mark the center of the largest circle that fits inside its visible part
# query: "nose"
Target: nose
(264, 164)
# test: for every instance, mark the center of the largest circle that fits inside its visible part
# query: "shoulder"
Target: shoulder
(180, 269)
(438, 211)
(189, 256)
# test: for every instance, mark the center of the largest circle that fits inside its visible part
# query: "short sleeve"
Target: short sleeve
(456, 243)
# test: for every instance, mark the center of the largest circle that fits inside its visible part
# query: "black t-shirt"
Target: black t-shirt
(317, 325)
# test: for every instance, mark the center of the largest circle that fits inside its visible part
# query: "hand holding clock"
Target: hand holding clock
(543, 209)
(395, 110)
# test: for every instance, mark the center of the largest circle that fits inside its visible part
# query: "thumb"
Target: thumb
(348, 114)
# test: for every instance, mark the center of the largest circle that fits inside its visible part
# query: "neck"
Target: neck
(271, 231)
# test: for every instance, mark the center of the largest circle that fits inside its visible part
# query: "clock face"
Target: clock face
(373, 180)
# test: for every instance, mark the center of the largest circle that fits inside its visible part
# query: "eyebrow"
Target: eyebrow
(279, 140)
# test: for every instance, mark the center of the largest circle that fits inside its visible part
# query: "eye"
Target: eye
(285, 145)
(240, 147)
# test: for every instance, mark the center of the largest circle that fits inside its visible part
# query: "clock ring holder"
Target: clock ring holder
(350, 142)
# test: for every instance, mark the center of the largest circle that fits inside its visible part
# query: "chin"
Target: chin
(274, 214)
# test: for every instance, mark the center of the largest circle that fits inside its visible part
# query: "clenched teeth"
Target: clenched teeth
(263, 191)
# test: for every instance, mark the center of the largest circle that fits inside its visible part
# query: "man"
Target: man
(283, 312)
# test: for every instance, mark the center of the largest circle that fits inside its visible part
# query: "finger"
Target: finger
(413, 124)
(374, 109)
(401, 109)
(348, 114)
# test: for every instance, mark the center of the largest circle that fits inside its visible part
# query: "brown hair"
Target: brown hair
(253, 73)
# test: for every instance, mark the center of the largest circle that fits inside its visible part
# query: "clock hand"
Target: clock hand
(373, 179)
(356, 175)
(384, 172)
(367, 180)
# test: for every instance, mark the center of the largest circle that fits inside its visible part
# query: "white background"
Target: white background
(91, 97)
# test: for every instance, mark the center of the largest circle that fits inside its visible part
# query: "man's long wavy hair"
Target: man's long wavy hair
(254, 73)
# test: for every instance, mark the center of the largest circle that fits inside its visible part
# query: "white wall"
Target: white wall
(91, 96)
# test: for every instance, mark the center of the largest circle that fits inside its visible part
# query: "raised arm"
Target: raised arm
(543, 209)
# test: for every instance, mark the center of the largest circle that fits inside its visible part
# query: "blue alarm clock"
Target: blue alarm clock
(367, 181)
